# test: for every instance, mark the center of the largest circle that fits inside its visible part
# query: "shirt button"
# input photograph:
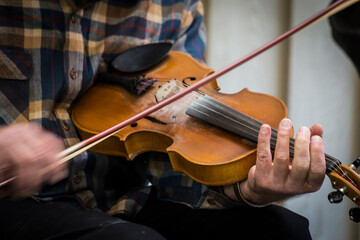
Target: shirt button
(73, 74)
(73, 19)
(66, 126)
(87, 203)
(212, 202)
(76, 179)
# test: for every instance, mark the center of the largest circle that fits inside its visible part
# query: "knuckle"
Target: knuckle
(302, 167)
(302, 154)
(282, 156)
(313, 187)
(302, 144)
(283, 133)
(263, 155)
(302, 139)
(318, 169)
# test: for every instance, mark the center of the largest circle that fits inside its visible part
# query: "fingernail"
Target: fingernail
(285, 123)
(304, 131)
(316, 138)
(264, 129)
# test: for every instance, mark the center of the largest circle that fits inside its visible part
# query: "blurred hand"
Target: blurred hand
(26, 149)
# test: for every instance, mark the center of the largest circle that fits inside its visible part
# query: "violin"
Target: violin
(209, 136)
(205, 152)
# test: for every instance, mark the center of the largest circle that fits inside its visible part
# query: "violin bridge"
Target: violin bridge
(167, 90)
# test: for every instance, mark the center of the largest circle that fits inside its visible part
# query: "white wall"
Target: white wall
(309, 72)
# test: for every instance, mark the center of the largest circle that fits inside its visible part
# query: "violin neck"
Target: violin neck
(218, 114)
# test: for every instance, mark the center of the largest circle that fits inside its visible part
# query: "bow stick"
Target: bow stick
(86, 144)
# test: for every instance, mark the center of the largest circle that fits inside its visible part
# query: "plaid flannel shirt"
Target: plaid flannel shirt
(50, 51)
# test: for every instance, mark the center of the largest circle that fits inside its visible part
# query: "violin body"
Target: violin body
(206, 153)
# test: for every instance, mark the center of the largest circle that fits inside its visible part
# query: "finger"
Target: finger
(28, 179)
(49, 158)
(27, 183)
(45, 149)
(317, 170)
(264, 158)
(281, 155)
(301, 161)
(31, 155)
(316, 129)
(59, 173)
(6, 173)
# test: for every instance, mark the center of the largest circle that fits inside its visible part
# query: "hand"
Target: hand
(280, 178)
(25, 149)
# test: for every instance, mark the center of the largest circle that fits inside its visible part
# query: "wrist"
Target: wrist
(236, 193)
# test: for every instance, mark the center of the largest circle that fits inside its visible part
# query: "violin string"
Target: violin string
(332, 163)
(254, 130)
(254, 133)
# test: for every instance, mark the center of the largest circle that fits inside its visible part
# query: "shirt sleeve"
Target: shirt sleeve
(180, 188)
(192, 36)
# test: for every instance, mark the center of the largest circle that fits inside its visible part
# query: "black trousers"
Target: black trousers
(28, 219)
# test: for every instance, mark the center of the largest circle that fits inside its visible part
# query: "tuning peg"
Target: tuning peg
(354, 166)
(354, 214)
(335, 197)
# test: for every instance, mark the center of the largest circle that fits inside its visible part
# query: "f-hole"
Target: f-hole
(188, 78)
(191, 79)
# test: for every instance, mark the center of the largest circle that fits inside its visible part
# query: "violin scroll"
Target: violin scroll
(346, 181)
